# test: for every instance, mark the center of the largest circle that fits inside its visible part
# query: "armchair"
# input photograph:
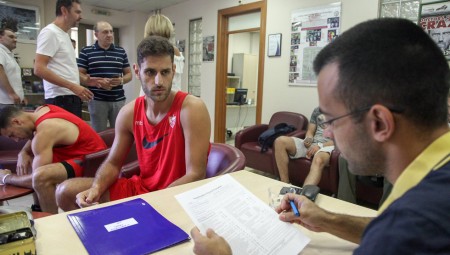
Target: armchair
(93, 161)
(222, 159)
(299, 169)
(246, 140)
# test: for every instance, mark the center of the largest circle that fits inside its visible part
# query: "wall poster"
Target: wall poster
(434, 18)
(311, 30)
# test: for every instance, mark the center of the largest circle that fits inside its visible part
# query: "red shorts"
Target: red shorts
(126, 187)
(74, 167)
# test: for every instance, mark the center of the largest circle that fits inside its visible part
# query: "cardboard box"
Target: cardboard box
(17, 236)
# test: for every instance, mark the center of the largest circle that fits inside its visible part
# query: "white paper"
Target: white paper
(248, 224)
(120, 224)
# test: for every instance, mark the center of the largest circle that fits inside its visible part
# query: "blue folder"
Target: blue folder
(131, 227)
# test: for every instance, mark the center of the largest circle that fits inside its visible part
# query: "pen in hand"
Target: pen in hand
(293, 206)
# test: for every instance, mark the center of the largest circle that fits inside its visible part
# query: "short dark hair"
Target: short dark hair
(6, 114)
(3, 29)
(391, 62)
(154, 46)
(65, 3)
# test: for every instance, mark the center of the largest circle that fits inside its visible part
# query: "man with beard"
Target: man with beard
(171, 131)
(56, 62)
(385, 108)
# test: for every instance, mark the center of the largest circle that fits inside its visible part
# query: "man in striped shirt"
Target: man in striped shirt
(104, 68)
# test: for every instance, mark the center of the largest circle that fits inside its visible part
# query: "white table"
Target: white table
(55, 234)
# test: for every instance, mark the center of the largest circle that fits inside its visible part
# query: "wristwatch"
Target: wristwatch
(320, 145)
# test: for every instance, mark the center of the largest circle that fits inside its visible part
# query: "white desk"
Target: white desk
(55, 234)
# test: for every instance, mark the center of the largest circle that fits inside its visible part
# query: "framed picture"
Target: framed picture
(274, 45)
(24, 19)
(208, 48)
(434, 18)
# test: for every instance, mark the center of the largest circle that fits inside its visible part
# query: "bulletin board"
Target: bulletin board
(311, 30)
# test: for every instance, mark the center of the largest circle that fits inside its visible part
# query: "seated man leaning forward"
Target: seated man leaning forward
(171, 131)
(314, 145)
(58, 144)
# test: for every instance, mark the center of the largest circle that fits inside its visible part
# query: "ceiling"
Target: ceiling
(133, 5)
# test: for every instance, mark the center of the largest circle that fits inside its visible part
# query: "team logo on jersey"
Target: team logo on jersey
(172, 120)
(148, 145)
(139, 123)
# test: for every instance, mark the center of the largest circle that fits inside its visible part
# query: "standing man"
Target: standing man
(105, 69)
(11, 90)
(56, 63)
(170, 129)
(315, 146)
(59, 141)
(385, 108)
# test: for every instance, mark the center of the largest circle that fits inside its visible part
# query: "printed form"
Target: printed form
(248, 224)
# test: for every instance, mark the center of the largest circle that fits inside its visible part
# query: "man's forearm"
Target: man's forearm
(27, 148)
(346, 227)
(50, 76)
(21, 181)
(106, 175)
(127, 78)
(189, 177)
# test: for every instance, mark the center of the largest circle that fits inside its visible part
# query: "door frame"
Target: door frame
(222, 63)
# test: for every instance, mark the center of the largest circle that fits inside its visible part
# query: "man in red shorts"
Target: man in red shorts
(171, 131)
(58, 143)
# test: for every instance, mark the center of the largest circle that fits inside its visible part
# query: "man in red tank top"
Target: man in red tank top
(58, 143)
(171, 131)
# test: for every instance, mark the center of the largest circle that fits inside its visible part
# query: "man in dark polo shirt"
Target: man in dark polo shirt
(104, 68)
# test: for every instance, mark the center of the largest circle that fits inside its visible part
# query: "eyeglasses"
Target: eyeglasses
(328, 123)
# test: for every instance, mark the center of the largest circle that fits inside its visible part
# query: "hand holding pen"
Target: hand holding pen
(292, 203)
(310, 216)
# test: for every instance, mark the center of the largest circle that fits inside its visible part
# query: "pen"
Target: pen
(294, 208)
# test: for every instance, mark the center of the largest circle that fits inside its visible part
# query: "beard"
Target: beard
(157, 97)
(365, 156)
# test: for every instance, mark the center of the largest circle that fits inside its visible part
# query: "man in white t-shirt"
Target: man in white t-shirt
(11, 90)
(56, 61)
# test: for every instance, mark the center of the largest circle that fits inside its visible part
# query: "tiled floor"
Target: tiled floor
(25, 201)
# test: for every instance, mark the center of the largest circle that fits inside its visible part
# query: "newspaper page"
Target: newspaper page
(249, 225)
(435, 20)
(311, 30)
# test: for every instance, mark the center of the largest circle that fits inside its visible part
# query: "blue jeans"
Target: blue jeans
(103, 111)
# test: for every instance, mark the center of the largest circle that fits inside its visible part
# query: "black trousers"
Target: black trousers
(70, 103)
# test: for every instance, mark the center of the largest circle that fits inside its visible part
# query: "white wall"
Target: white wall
(277, 95)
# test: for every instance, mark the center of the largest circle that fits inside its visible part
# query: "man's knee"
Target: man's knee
(321, 159)
(283, 143)
(41, 176)
(66, 194)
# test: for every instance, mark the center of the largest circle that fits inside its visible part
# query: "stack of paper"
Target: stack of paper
(248, 224)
